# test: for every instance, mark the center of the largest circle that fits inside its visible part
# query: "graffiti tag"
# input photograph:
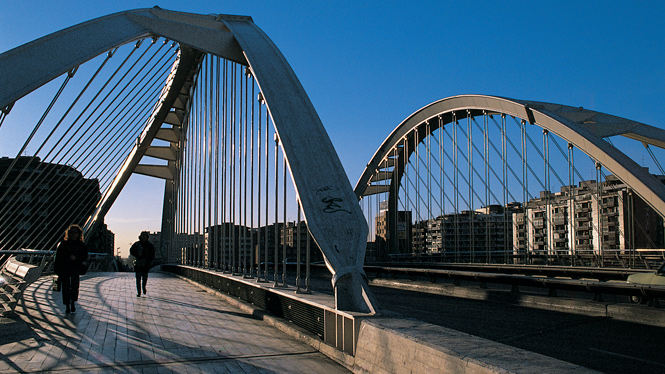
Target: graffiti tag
(332, 205)
(326, 189)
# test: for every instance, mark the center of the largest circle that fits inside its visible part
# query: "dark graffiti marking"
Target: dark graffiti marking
(332, 205)
(326, 189)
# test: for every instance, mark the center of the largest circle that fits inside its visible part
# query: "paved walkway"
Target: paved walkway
(176, 328)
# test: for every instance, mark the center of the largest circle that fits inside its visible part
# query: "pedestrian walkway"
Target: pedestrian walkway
(176, 328)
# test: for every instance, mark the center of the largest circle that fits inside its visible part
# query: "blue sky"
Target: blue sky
(367, 65)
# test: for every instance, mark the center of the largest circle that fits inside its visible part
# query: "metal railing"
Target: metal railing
(588, 280)
(96, 261)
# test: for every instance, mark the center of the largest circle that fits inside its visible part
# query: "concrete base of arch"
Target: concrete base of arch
(352, 294)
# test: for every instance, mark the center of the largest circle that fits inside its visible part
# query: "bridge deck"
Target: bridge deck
(175, 328)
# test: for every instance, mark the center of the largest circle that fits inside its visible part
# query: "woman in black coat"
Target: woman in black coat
(68, 264)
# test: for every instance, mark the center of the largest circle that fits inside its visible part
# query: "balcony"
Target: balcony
(538, 225)
(611, 224)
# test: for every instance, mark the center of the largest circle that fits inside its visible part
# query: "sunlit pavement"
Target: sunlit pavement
(175, 328)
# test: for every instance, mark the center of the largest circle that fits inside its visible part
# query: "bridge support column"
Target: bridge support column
(352, 293)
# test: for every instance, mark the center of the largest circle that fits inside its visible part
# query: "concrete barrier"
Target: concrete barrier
(395, 346)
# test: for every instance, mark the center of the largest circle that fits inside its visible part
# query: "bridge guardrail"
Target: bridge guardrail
(546, 270)
(96, 261)
(552, 281)
(636, 259)
(338, 329)
(15, 276)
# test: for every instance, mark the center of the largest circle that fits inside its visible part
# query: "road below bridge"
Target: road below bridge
(600, 343)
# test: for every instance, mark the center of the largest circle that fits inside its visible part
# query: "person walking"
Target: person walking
(69, 265)
(143, 252)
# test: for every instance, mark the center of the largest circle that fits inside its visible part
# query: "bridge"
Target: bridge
(496, 180)
(253, 186)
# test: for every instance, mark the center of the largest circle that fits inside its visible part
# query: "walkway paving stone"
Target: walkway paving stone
(176, 328)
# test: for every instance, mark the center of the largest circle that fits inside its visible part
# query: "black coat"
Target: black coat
(144, 253)
(63, 264)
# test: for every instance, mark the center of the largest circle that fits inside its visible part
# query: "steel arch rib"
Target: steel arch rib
(330, 207)
(581, 127)
(50, 56)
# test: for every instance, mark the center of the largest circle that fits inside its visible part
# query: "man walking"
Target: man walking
(143, 252)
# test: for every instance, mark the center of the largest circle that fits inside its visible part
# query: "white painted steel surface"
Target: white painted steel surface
(328, 202)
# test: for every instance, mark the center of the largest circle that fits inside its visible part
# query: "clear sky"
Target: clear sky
(367, 65)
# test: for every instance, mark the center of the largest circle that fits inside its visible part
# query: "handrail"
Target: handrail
(616, 287)
(574, 272)
(45, 259)
(41, 252)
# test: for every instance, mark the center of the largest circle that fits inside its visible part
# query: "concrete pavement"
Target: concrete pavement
(176, 328)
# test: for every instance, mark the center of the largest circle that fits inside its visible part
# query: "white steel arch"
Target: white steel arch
(581, 127)
(340, 232)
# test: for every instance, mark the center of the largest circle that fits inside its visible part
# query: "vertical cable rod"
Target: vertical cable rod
(504, 160)
(456, 187)
(297, 244)
(571, 213)
(259, 277)
(217, 143)
(277, 228)
(442, 182)
(547, 219)
(599, 226)
(251, 182)
(525, 191)
(431, 216)
(242, 178)
(472, 234)
(267, 194)
(391, 233)
(206, 170)
(224, 141)
(233, 173)
(210, 247)
(197, 173)
(308, 282)
(488, 216)
(284, 220)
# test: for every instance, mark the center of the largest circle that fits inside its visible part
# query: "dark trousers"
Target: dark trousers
(70, 288)
(141, 275)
